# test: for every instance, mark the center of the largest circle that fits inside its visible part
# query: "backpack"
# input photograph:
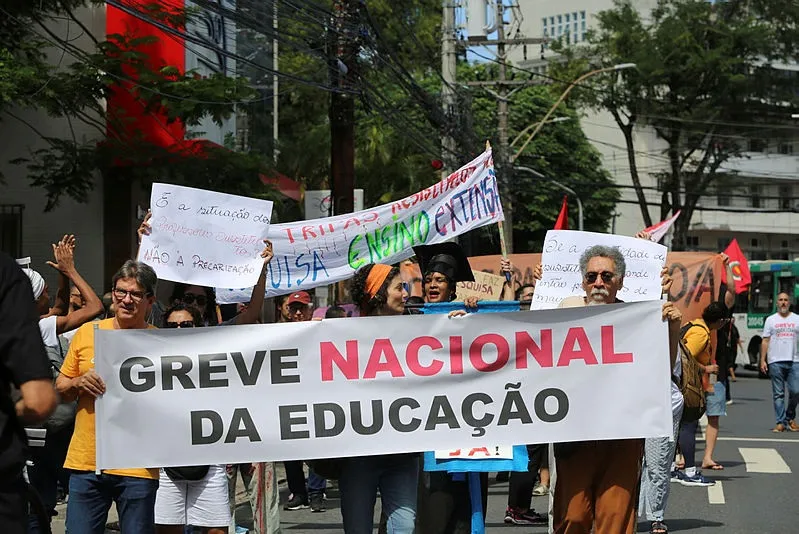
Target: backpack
(690, 383)
(64, 415)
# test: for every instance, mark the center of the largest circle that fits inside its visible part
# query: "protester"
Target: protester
(520, 489)
(302, 496)
(778, 358)
(696, 337)
(195, 495)
(378, 290)
(47, 461)
(91, 492)
(24, 366)
(597, 480)
(335, 312)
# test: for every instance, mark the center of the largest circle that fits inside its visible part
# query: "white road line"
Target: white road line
(764, 461)
(715, 493)
(770, 440)
(703, 425)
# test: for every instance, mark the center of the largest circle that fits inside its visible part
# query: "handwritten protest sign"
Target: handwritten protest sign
(324, 251)
(562, 278)
(477, 453)
(486, 286)
(381, 385)
(205, 238)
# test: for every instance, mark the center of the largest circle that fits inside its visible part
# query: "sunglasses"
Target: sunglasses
(191, 298)
(181, 324)
(606, 276)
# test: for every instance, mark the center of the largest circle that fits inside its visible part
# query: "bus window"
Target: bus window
(786, 284)
(761, 299)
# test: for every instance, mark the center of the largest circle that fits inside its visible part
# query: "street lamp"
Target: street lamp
(552, 121)
(558, 184)
(571, 86)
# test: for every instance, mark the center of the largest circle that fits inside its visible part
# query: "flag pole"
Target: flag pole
(502, 245)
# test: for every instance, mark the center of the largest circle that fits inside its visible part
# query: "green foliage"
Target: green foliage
(704, 76)
(560, 152)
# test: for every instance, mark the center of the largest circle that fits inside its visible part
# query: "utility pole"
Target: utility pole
(275, 105)
(342, 108)
(449, 63)
(501, 158)
(503, 94)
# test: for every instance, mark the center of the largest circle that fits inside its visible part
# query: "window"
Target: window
(692, 241)
(544, 26)
(755, 192)
(722, 197)
(567, 17)
(786, 148)
(582, 24)
(723, 243)
(786, 197)
(754, 242)
(784, 243)
(11, 229)
(757, 145)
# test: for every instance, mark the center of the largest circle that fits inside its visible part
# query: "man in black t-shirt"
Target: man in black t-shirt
(24, 366)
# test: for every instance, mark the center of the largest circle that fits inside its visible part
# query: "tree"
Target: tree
(560, 151)
(78, 89)
(704, 76)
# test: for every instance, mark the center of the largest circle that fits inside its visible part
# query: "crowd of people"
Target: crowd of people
(596, 486)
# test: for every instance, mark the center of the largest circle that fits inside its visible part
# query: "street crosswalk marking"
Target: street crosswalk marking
(763, 461)
(715, 493)
(703, 425)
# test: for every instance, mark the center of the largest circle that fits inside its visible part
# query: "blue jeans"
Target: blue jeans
(782, 374)
(90, 497)
(316, 484)
(397, 478)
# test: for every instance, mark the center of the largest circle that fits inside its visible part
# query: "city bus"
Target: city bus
(769, 279)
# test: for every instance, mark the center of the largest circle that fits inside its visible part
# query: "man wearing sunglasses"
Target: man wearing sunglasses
(91, 492)
(597, 480)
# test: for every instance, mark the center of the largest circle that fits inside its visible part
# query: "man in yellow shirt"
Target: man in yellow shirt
(91, 491)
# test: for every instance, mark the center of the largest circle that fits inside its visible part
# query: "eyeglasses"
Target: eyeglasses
(190, 298)
(181, 324)
(136, 296)
(606, 276)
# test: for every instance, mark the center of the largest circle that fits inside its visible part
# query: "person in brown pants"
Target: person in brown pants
(597, 481)
(596, 485)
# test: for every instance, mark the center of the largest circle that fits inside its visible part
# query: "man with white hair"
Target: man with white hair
(597, 480)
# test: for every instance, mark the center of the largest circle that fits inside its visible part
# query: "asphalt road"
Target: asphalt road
(754, 493)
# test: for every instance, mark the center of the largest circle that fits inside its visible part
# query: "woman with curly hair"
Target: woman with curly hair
(377, 289)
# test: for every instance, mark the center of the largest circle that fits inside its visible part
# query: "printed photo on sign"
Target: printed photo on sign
(205, 238)
(562, 278)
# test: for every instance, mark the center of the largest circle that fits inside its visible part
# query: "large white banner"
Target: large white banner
(314, 253)
(205, 238)
(378, 385)
(561, 265)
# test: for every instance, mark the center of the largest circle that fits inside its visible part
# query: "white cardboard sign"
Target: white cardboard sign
(204, 237)
(561, 265)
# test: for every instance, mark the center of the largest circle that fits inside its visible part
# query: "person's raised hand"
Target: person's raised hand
(145, 228)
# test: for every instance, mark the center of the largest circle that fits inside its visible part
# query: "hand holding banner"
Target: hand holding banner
(562, 277)
(205, 238)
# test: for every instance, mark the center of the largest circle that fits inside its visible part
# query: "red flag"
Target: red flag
(563, 217)
(739, 267)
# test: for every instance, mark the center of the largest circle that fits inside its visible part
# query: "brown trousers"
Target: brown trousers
(597, 483)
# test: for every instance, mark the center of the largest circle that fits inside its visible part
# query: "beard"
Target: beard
(598, 296)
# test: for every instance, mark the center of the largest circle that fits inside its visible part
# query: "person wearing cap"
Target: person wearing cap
(299, 305)
(300, 495)
(378, 290)
(52, 325)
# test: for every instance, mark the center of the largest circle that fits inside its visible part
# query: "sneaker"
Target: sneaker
(540, 490)
(792, 426)
(296, 503)
(779, 428)
(698, 480)
(241, 530)
(531, 517)
(730, 402)
(677, 475)
(318, 503)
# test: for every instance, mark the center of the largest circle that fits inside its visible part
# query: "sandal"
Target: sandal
(714, 467)
(658, 527)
